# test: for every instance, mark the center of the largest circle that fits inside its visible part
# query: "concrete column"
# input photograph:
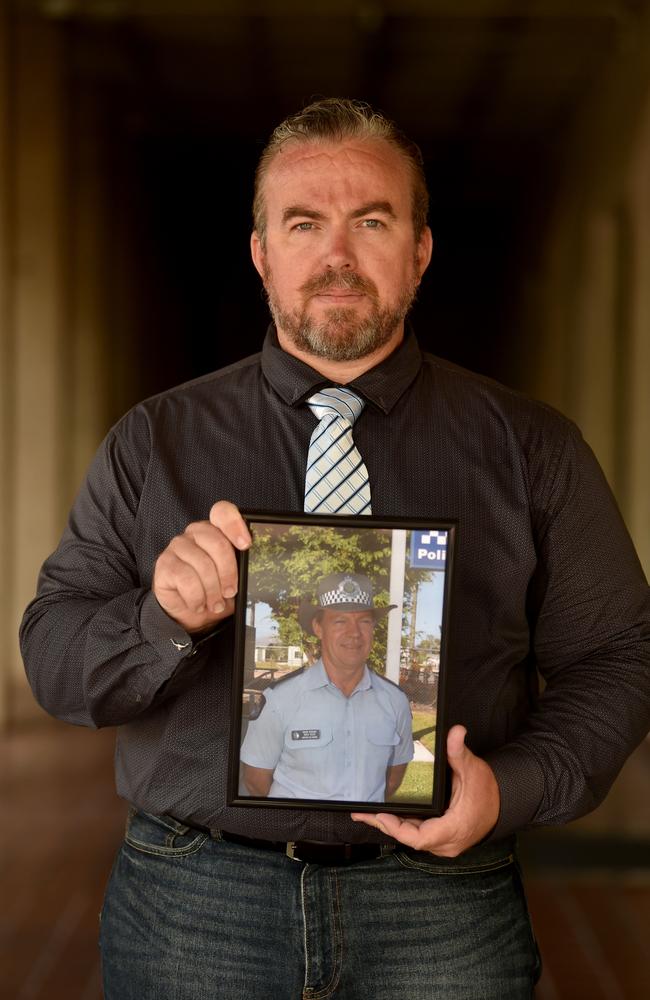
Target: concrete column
(396, 596)
(92, 348)
(593, 383)
(57, 368)
(6, 380)
(40, 352)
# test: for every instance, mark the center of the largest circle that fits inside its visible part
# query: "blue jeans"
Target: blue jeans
(188, 917)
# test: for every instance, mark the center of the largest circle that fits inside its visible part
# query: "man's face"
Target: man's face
(340, 263)
(345, 637)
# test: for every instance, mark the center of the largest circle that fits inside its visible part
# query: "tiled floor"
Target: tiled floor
(57, 792)
(58, 837)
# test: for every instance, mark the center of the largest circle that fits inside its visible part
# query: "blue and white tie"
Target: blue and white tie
(336, 480)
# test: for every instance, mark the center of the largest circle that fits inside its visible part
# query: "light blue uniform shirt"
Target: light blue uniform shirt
(321, 744)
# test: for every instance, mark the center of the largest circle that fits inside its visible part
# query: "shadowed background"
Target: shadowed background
(129, 133)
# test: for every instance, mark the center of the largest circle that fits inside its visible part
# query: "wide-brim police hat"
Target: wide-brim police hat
(341, 592)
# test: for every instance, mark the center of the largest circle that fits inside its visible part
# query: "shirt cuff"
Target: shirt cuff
(521, 786)
(169, 639)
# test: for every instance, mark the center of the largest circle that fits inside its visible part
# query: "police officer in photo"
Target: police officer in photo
(335, 730)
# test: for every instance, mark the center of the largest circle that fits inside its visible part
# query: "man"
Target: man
(130, 626)
(336, 730)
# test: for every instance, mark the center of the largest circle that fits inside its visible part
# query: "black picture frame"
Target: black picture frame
(320, 763)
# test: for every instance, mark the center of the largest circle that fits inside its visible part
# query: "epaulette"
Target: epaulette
(387, 680)
(287, 677)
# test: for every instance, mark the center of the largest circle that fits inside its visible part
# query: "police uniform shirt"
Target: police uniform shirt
(322, 744)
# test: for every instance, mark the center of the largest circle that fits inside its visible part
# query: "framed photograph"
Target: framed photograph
(340, 664)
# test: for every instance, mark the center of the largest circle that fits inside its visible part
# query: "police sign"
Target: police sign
(428, 549)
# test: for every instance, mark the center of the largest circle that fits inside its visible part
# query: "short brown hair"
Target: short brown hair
(335, 119)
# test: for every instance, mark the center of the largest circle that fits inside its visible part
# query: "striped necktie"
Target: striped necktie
(336, 480)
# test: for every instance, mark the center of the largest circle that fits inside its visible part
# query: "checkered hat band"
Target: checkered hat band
(339, 597)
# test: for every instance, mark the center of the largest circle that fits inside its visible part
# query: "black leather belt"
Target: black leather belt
(313, 852)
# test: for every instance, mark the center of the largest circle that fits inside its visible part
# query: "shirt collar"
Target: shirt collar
(382, 385)
(317, 677)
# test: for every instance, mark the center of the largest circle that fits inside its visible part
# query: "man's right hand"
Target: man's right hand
(195, 577)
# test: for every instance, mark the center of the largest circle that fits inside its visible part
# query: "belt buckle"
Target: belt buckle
(290, 850)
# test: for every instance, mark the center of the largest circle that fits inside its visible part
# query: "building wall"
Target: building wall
(67, 346)
(635, 430)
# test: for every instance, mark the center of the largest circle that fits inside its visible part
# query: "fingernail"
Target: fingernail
(229, 592)
(219, 607)
(242, 542)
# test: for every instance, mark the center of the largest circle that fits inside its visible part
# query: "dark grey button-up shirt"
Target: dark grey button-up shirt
(547, 580)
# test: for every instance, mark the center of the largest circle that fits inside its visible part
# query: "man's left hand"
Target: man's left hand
(472, 813)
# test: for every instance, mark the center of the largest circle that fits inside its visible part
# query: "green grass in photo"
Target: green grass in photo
(417, 785)
(424, 728)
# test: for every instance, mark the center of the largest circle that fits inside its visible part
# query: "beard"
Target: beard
(341, 335)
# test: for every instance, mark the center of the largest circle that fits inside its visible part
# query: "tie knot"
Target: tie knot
(337, 402)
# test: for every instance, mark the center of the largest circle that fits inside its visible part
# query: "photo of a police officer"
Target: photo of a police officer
(334, 730)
